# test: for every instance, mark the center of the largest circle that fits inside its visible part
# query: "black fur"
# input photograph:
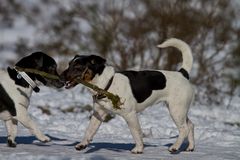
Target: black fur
(22, 82)
(13, 75)
(39, 61)
(144, 82)
(42, 62)
(6, 102)
(97, 64)
(93, 62)
(80, 63)
(184, 73)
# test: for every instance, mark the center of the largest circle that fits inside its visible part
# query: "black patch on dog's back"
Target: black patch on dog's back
(6, 102)
(144, 82)
(184, 73)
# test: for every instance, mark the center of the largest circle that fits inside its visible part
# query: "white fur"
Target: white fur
(21, 97)
(185, 50)
(177, 94)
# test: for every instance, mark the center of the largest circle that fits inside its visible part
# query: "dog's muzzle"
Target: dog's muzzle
(71, 79)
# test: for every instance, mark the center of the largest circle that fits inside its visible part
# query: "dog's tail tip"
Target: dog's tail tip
(171, 42)
(160, 46)
(184, 48)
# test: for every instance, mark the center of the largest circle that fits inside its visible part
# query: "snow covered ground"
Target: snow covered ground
(60, 115)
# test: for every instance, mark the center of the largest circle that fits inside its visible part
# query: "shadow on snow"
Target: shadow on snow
(28, 139)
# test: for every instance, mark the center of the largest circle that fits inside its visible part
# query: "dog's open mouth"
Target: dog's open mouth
(70, 84)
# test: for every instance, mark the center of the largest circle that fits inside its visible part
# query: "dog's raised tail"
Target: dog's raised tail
(186, 54)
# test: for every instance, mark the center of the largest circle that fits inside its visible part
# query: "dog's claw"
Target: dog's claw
(189, 149)
(172, 150)
(137, 150)
(80, 147)
(11, 143)
(45, 139)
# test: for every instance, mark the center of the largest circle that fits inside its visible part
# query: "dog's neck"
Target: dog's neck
(22, 86)
(18, 81)
(102, 80)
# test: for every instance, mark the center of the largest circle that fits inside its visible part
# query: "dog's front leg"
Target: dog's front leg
(11, 126)
(134, 126)
(96, 120)
(24, 118)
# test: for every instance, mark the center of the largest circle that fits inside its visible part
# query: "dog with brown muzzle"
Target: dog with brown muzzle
(16, 88)
(138, 90)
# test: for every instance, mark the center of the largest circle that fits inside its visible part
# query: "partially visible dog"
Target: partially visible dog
(138, 90)
(16, 89)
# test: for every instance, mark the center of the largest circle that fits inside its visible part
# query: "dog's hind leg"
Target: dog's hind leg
(11, 126)
(191, 144)
(24, 118)
(134, 126)
(179, 116)
(96, 120)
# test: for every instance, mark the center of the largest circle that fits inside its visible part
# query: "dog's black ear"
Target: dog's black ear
(97, 64)
(35, 60)
(94, 59)
(39, 59)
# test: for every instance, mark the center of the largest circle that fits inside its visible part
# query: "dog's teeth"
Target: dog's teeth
(68, 84)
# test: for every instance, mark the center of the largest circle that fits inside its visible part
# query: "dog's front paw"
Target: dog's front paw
(137, 150)
(80, 146)
(190, 149)
(11, 143)
(173, 149)
(45, 139)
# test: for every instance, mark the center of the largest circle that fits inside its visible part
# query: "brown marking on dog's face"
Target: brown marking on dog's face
(84, 67)
(88, 76)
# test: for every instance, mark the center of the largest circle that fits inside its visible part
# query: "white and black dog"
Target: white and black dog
(16, 89)
(138, 90)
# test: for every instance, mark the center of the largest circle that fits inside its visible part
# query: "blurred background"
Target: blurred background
(126, 33)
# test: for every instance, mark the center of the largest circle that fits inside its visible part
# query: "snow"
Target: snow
(217, 132)
(217, 128)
